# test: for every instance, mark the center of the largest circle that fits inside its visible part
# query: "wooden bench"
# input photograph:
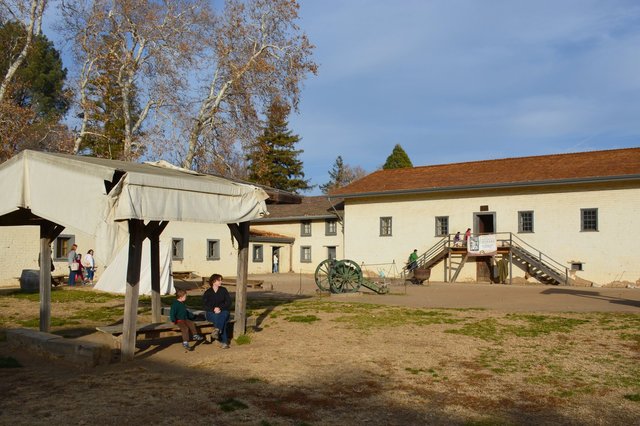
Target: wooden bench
(164, 329)
(157, 329)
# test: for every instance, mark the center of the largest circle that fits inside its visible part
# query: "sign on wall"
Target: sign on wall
(482, 245)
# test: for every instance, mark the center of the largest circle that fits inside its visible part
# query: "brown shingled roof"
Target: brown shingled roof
(253, 232)
(318, 206)
(522, 170)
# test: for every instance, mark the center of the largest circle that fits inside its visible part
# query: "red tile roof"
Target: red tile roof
(503, 172)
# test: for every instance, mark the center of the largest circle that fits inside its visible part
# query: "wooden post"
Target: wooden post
(510, 258)
(136, 237)
(48, 232)
(241, 234)
(154, 229)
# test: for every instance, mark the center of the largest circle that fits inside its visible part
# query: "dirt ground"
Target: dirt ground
(461, 354)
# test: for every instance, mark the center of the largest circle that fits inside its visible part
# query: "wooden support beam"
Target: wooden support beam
(48, 232)
(153, 231)
(241, 234)
(136, 237)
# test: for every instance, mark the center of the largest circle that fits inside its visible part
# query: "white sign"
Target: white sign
(482, 245)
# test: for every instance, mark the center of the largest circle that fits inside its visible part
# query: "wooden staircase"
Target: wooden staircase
(531, 260)
(544, 271)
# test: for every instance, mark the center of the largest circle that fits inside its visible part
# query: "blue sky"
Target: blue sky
(465, 80)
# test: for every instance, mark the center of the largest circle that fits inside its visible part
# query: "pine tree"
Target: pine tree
(341, 175)
(39, 81)
(273, 161)
(398, 159)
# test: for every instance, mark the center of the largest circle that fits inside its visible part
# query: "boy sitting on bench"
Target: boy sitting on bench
(180, 316)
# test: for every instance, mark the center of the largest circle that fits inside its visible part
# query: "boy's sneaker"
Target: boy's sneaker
(186, 346)
(224, 346)
(197, 337)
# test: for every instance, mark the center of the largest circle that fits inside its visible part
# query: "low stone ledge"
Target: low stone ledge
(87, 354)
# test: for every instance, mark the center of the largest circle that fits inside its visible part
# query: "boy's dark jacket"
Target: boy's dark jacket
(179, 312)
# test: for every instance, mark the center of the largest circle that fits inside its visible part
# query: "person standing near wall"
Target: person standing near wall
(89, 264)
(275, 262)
(73, 265)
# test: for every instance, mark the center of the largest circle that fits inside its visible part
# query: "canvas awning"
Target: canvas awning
(93, 195)
(72, 191)
(116, 201)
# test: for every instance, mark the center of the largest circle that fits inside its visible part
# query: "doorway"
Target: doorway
(331, 252)
(484, 223)
(275, 259)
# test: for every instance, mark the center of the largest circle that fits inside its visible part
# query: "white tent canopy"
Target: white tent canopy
(114, 277)
(116, 198)
(114, 191)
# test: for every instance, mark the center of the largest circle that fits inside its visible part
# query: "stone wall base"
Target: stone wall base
(51, 346)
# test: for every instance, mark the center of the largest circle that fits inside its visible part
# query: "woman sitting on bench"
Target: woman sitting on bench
(217, 303)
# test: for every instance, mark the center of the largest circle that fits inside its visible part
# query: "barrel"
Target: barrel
(30, 281)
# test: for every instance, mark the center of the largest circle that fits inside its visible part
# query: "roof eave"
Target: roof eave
(266, 239)
(294, 218)
(494, 186)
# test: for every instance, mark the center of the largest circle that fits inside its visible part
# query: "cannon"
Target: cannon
(344, 276)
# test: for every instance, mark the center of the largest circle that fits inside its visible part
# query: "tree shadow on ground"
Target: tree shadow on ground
(151, 391)
(592, 295)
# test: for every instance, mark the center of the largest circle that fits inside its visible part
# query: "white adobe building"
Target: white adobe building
(579, 211)
(302, 234)
(309, 233)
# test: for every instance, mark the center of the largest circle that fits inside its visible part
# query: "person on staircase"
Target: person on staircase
(413, 260)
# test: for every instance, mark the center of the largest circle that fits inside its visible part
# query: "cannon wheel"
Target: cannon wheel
(346, 277)
(323, 274)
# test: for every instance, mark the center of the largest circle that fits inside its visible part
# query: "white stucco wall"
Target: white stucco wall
(19, 248)
(608, 254)
(318, 241)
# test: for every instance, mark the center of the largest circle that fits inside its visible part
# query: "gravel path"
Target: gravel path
(505, 298)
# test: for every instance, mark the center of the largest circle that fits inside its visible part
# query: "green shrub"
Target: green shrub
(243, 339)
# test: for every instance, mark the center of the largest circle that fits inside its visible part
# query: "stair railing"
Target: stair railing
(430, 254)
(515, 241)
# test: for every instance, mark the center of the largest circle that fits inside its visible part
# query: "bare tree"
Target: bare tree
(143, 45)
(29, 13)
(257, 52)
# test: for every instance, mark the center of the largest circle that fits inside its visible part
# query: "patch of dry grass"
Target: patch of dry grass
(351, 364)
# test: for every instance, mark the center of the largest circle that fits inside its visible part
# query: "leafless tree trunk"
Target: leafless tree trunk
(258, 52)
(33, 24)
(146, 42)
